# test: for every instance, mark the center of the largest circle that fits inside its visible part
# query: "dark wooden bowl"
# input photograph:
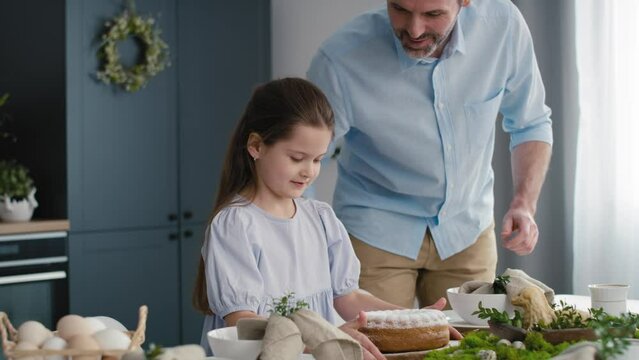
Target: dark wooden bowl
(511, 333)
(505, 331)
(578, 334)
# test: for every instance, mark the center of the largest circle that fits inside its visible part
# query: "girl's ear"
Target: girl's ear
(254, 145)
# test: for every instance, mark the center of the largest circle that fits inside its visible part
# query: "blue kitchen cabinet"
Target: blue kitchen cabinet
(190, 245)
(122, 147)
(113, 273)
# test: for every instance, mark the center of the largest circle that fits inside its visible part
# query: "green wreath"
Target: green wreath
(156, 52)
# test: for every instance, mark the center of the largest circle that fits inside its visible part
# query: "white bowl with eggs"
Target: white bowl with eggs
(465, 304)
(225, 344)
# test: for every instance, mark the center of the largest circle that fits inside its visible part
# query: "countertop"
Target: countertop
(34, 226)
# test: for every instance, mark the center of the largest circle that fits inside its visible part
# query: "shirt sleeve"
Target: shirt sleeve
(323, 74)
(233, 280)
(525, 114)
(344, 265)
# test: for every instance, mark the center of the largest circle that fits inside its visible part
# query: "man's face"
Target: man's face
(424, 26)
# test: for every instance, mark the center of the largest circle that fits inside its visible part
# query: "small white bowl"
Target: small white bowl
(224, 344)
(465, 304)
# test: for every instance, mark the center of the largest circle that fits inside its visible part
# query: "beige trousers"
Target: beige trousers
(399, 280)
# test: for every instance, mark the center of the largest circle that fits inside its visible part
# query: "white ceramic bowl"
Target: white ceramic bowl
(465, 304)
(224, 344)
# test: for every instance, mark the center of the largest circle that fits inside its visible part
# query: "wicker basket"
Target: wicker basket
(10, 339)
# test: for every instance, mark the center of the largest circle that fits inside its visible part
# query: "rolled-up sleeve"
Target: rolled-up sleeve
(525, 115)
(344, 265)
(233, 280)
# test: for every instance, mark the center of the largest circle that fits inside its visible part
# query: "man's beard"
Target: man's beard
(427, 51)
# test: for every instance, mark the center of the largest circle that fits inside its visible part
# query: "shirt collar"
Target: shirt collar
(455, 44)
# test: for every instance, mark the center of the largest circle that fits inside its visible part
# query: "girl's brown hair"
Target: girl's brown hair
(274, 109)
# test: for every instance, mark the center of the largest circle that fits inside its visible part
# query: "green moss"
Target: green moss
(536, 348)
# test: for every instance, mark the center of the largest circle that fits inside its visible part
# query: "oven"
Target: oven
(33, 277)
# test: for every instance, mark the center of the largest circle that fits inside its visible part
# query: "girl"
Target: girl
(264, 239)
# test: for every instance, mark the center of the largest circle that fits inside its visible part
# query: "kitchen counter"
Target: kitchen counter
(34, 226)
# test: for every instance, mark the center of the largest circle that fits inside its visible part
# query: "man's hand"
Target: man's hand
(519, 232)
(370, 351)
(439, 305)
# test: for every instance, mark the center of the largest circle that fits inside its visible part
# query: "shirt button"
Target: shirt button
(452, 186)
(440, 105)
(443, 213)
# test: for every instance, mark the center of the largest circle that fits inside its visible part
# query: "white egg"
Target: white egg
(111, 323)
(71, 325)
(33, 332)
(84, 342)
(55, 343)
(112, 339)
(95, 324)
(25, 345)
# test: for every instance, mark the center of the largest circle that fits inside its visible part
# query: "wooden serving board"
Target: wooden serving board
(413, 355)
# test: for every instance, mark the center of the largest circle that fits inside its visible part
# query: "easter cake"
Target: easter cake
(407, 330)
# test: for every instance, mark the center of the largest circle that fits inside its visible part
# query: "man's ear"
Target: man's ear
(254, 145)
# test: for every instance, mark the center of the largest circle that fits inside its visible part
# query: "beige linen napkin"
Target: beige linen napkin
(326, 341)
(518, 281)
(284, 338)
(251, 328)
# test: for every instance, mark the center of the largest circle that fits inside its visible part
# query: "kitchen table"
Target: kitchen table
(581, 302)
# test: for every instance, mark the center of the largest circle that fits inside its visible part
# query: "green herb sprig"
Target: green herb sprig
(613, 331)
(567, 317)
(497, 316)
(285, 306)
(154, 351)
(499, 285)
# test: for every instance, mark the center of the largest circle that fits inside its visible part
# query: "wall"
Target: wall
(298, 27)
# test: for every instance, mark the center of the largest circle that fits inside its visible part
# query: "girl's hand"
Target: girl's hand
(439, 305)
(370, 351)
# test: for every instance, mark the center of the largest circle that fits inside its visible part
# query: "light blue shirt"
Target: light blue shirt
(252, 257)
(419, 133)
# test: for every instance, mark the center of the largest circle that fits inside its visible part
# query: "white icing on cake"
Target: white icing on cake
(405, 319)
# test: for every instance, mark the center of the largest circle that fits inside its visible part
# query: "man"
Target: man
(416, 88)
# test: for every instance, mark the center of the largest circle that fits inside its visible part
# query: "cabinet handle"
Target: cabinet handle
(173, 217)
(188, 233)
(173, 236)
(188, 214)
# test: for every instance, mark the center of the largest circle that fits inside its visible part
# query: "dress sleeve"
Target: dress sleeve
(344, 265)
(525, 114)
(233, 280)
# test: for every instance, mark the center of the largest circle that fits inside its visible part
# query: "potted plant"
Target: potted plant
(17, 192)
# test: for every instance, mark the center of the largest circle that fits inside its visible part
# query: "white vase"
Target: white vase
(17, 211)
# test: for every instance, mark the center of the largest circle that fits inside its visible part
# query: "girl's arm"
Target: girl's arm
(348, 306)
(232, 318)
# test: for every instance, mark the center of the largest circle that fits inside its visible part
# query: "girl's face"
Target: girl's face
(285, 169)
